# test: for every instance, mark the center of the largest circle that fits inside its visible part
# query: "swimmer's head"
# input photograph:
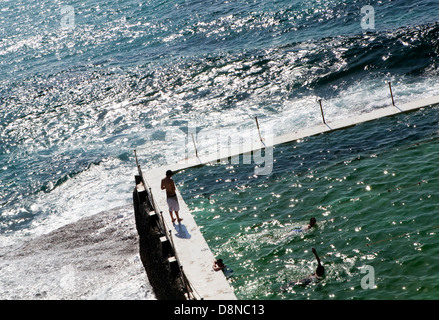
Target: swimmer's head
(169, 173)
(312, 222)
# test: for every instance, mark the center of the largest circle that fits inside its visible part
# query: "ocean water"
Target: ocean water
(84, 83)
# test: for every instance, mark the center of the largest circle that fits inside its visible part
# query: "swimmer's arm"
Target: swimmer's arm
(317, 257)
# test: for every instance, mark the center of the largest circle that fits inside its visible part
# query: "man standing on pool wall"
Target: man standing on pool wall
(171, 195)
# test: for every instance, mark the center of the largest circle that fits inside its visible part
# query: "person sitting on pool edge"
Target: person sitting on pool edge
(218, 265)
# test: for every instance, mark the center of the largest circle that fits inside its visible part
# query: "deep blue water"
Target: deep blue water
(83, 84)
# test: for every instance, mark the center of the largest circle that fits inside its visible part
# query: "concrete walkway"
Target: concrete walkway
(190, 246)
(233, 151)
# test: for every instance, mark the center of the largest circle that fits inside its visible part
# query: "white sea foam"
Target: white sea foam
(94, 258)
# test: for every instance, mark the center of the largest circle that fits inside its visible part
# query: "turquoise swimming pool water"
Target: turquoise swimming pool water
(373, 190)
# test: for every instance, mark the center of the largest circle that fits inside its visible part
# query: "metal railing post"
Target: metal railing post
(321, 110)
(391, 93)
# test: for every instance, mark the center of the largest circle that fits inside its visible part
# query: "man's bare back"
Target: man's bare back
(169, 185)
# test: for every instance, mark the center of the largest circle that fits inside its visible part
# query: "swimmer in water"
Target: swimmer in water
(313, 278)
(316, 276)
(312, 224)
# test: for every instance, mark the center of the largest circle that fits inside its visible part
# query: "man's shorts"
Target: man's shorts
(173, 203)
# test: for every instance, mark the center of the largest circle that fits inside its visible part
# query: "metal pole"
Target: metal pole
(257, 125)
(321, 110)
(138, 165)
(391, 93)
(193, 140)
